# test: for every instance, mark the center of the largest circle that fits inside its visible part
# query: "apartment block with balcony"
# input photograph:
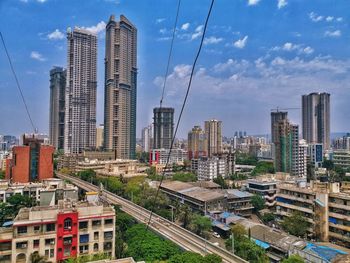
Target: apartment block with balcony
(266, 188)
(59, 232)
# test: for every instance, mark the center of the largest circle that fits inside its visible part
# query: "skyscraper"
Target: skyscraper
(213, 136)
(316, 118)
(99, 136)
(147, 138)
(163, 127)
(57, 107)
(197, 143)
(80, 120)
(120, 87)
(276, 117)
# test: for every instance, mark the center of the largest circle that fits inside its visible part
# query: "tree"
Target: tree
(184, 177)
(114, 185)
(244, 158)
(200, 225)
(296, 224)
(191, 257)
(185, 215)
(268, 217)
(263, 168)
(238, 231)
(220, 181)
(87, 175)
(2, 174)
(37, 258)
(293, 259)
(328, 164)
(258, 202)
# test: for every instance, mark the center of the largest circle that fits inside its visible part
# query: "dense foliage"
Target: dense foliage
(184, 177)
(221, 181)
(293, 259)
(9, 210)
(2, 174)
(263, 167)
(258, 202)
(268, 217)
(246, 159)
(295, 224)
(190, 257)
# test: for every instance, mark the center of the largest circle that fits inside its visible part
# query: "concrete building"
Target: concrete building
(266, 188)
(46, 193)
(146, 137)
(99, 136)
(316, 118)
(80, 103)
(59, 232)
(57, 107)
(197, 143)
(163, 127)
(159, 156)
(315, 154)
(213, 133)
(31, 162)
(210, 168)
(205, 201)
(275, 118)
(342, 158)
(326, 206)
(120, 87)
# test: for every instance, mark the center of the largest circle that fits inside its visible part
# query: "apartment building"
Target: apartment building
(211, 168)
(342, 158)
(59, 232)
(160, 156)
(326, 206)
(266, 188)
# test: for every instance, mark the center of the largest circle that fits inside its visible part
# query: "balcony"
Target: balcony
(339, 216)
(293, 197)
(284, 213)
(340, 206)
(340, 226)
(294, 207)
(339, 236)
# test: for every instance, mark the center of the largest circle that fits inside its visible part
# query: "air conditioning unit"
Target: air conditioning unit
(52, 242)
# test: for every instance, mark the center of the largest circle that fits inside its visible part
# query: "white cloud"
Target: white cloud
(315, 18)
(299, 48)
(212, 40)
(198, 32)
(163, 38)
(41, 1)
(308, 50)
(329, 18)
(336, 33)
(253, 2)
(240, 43)
(162, 31)
(101, 26)
(185, 26)
(281, 3)
(339, 19)
(289, 46)
(37, 56)
(55, 35)
(117, 2)
(160, 20)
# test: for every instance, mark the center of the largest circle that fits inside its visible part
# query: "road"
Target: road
(169, 230)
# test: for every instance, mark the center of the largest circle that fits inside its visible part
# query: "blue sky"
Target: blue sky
(257, 55)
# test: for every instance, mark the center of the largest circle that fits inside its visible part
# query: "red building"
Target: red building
(31, 162)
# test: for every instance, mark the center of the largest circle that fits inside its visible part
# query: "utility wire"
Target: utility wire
(17, 82)
(181, 112)
(170, 52)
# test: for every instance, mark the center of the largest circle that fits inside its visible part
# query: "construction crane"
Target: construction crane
(279, 109)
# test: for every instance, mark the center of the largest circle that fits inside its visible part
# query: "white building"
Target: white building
(211, 168)
(315, 154)
(159, 156)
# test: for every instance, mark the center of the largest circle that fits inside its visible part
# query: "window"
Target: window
(96, 235)
(67, 225)
(36, 243)
(95, 247)
(108, 221)
(96, 222)
(67, 240)
(21, 245)
(36, 229)
(107, 246)
(21, 230)
(83, 225)
(49, 241)
(108, 235)
(83, 249)
(66, 252)
(50, 227)
(84, 238)
(50, 253)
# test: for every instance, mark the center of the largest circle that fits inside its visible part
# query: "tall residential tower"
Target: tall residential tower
(213, 135)
(80, 119)
(163, 127)
(120, 87)
(57, 107)
(316, 118)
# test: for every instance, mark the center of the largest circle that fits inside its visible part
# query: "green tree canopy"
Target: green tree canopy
(185, 215)
(296, 224)
(200, 225)
(293, 259)
(184, 177)
(221, 181)
(258, 202)
(191, 257)
(263, 168)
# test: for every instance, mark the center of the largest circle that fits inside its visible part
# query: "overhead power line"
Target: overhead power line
(170, 52)
(181, 112)
(18, 85)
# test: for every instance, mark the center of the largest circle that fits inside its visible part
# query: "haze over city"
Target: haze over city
(257, 55)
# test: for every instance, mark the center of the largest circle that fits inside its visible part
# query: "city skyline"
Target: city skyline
(309, 55)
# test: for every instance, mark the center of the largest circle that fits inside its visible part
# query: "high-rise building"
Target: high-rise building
(146, 138)
(277, 116)
(163, 127)
(316, 118)
(57, 106)
(99, 136)
(80, 118)
(120, 87)
(213, 136)
(197, 143)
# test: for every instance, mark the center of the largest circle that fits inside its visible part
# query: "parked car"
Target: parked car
(216, 235)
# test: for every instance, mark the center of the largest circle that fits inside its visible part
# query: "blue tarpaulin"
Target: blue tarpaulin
(262, 244)
(327, 253)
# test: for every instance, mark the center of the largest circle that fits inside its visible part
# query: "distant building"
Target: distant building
(209, 168)
(31, 162)
(120, 87)
(275, 118)
(59, 232)
(163, 127)
(146, 138)
(160, 156)
(265, 188)
(213, 133)
(99, 136)
(316, 118)
(315, 154)
(57, 107)
(342, 158)
(80, 102)
(197, 143)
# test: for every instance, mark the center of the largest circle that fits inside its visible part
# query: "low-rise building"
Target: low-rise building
(69, 229)
(266, 188)
(205, 201)
(47, 192)
(342, 158)
(160, 156)
(210, 168)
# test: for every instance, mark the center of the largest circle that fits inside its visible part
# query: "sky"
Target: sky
(257, 55)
